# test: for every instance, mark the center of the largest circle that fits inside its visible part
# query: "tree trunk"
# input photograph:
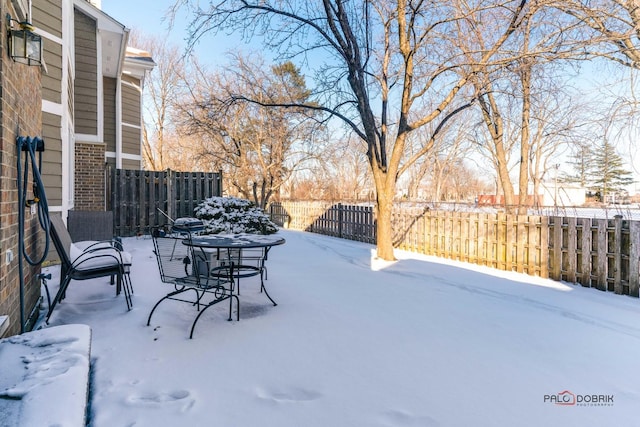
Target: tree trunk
(385, 191)
(507, 186)
(525, 143)
(384, 230)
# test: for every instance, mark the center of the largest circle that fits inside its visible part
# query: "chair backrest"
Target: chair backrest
(90, 225)
(174, 258)
(61, 239)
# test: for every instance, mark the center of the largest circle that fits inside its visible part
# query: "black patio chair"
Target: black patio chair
(89, 260)
(248, 262)
(180, 267)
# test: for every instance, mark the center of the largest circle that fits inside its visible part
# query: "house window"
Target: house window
(21, 8)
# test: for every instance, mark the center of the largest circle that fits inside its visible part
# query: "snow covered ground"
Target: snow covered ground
(358, 342)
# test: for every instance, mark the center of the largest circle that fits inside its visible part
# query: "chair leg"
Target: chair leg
(168, 296)
(118, 283)
(230, 297)
(64, 283)
(128, 290)
(264, 289)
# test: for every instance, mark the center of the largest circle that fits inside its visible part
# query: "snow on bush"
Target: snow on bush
(233, 215)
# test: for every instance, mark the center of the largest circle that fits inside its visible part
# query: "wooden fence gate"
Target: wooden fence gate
(136, 197)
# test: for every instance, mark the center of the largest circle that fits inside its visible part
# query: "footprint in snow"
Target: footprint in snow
(294, 394)
(182, 397)
(398, 418)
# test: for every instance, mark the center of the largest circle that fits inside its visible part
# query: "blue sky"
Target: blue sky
(148, 17)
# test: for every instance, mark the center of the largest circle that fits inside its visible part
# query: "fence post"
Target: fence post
(572, 248)
(340, 219)
(586, 245)
(219, 183)
(617, 254)
(544, 247)
(601, 255)
(170, 177)
(556, 272)
(634, 258)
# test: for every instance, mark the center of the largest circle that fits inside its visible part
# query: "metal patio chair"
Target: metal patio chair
(190, 273)
(249, 262)
(89, 260)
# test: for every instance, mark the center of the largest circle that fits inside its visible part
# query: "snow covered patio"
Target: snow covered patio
(357, 342)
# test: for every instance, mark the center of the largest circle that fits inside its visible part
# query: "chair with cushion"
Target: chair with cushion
(89, 260)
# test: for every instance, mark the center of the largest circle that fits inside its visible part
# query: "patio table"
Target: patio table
(227, 249)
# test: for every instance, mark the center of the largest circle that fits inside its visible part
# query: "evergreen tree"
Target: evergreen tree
(581, 160)
(607, 173)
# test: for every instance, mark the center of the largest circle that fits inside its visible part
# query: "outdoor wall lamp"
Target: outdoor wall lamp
(25, 46)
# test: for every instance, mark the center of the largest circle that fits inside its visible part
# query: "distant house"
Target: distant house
(549, 194)
(85, 100)
(562, 194)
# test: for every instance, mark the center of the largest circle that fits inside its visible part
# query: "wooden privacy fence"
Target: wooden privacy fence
(345, 221)
(505, 242)
(135, 196)
(600, 253)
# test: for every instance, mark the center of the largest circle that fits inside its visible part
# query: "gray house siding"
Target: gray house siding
(130, 164)
(47, 15)
(130, 140)
(131, 105)
(51, 88)
(126, 164)
(52, 158)
(86, 82)
(131, 118)
(109, 87)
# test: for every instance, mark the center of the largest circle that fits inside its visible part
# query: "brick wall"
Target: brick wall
(90, 177)
(20, 114)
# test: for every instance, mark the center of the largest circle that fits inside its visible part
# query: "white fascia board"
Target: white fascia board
(88, 139)
(112, 155)
(104, 21)
(52, 108)
(132, 125)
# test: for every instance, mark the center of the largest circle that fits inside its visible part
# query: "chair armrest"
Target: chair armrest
(87, 245)
(94, 260)
(98, 255)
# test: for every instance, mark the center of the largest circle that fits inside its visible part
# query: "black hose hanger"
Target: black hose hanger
(30, 146)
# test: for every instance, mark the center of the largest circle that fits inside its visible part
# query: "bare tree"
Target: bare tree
(558, 118)
(501, 138)
(463, 183)
(345, 168)
(444, 159)
(605, 28)
(384, 60)
(623, 118)
(508, 97)
(339, 171)
(160, 142)
(257, 148)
